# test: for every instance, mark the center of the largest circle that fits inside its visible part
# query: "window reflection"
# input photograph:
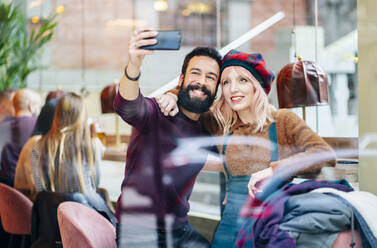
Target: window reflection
(106, 28)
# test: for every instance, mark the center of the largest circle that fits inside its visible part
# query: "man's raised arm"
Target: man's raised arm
(129, 86)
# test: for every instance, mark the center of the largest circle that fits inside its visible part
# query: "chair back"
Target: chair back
(15, 211)
(45, 229)
(81, 226)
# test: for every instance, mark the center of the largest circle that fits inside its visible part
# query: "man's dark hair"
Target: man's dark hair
(56, 94)
(201, 51)
(184, 99)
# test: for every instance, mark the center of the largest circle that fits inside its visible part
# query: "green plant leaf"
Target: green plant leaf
(19, 49)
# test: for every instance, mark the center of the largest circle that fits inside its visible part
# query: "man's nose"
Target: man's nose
(202, 80)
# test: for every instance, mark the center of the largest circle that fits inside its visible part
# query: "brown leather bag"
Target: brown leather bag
(302, 83)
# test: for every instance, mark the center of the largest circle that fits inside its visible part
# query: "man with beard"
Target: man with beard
(153, 206)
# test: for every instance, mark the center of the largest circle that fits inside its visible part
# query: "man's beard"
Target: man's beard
(195, 105)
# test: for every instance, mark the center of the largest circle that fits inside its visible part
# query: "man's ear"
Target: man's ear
(181, 79)
(33, 109)
(30, 108)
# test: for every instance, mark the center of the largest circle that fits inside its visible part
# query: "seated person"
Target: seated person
(66, 158)
(26, 104)
(6, 104)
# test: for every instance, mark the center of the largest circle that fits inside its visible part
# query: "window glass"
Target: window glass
(89, 51)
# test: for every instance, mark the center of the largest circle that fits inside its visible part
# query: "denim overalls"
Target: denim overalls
(237, 193)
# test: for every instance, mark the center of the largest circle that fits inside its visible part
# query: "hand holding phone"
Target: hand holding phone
(138, 39)
(166, 40)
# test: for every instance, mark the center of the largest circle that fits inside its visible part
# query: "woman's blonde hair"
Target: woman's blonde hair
(260, 108)
(67, 147)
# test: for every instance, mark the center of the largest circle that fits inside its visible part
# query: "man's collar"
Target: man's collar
(190, 115)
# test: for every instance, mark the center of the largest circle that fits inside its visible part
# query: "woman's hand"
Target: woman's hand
(225, 198)
(168, 104)
(256, 178)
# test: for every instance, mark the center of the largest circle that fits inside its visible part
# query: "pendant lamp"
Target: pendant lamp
(302, 83)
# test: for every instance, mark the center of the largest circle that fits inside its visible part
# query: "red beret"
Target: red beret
(254, 63)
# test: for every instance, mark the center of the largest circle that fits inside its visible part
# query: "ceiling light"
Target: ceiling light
(199, 7)
(35, 3)
(160, 5)
(60, 9)
(35, 19)
(186, 12)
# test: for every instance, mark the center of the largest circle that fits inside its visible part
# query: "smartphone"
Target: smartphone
(166, 40)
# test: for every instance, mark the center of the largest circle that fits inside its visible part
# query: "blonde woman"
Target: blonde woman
(276, 138)
(66, 158)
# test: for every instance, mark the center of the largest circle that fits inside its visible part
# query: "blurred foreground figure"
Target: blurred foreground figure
(153, 207)
(17, 130)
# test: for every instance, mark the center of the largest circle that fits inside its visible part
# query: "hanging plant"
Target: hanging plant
(20, 49)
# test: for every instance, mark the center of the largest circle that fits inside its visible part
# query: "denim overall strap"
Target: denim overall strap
(274, 142)
(228, 175)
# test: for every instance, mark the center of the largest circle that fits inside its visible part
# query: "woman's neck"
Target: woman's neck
(246, 116)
